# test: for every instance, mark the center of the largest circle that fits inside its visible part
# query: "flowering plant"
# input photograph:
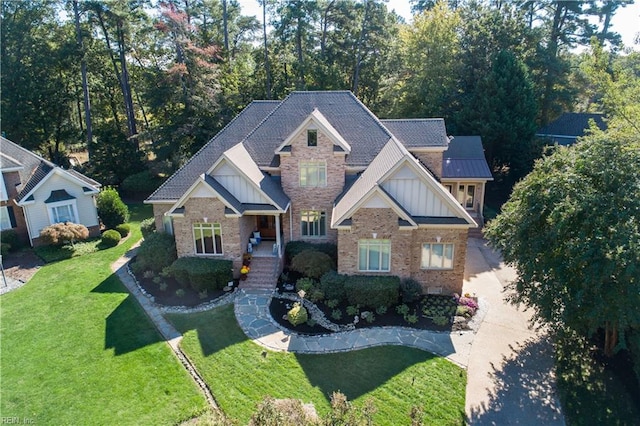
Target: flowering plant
(244, 270)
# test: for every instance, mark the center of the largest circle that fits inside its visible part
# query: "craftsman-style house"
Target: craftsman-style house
(321, 167)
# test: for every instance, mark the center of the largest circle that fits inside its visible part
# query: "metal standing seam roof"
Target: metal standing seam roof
(572, 124)
(465, 159)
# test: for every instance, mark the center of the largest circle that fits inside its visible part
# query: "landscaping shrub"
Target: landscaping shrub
(410, 289)
(61, 233)
(10, 238)
(372, 291)
(297, 315)
(332, 285)
(111, 238)
(111, 209)
(306, 284)
(156, 252)
(123, 229)
(312, 263)
(202, 274)
(4, 249)
(142, 183)
(148, 227)
(294, 248)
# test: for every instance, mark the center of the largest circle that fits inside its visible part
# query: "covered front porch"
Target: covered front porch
(267, 238)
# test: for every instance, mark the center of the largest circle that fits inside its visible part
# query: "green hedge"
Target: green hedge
(148, 227)
(332, 285)
(202, 274)
(123, 229)
(312, 263)
(296, 247)
(156, 252)
(10, 238)
(372, 291)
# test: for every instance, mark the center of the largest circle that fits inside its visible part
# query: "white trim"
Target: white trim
(381, 242)
(185, 197)
(51, 206)
(322, 124)
(63, 174)
(425, 149)
(213, 237)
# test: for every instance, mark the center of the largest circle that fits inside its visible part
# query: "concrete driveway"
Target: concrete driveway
(510, 367)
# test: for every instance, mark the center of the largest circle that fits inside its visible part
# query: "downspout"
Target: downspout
(26, 219)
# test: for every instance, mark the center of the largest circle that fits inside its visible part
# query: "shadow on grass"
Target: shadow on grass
(524, 388)
(357, 373)
(126, 328)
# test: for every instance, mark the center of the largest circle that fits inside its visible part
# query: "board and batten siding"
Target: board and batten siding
(38, 213)
(238, 185)
(415, 195)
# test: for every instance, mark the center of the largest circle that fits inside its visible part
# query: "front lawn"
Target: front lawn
(241, 373)
(77, 349)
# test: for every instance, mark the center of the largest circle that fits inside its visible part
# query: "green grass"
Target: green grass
(241, 373)
(77, 349)
(57, 253)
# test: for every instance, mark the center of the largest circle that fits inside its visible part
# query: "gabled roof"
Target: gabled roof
(572, 124)
(419, 132)
(232, 134)
(9, 164)
(316, 117)
(464, 159)
(36, 169)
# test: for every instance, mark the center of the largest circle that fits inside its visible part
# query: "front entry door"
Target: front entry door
(267, 227)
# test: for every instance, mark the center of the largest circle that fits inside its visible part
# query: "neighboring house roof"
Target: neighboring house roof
(35, 169)
(571, 125)
(9, 164)
(464, 159)
(419, 132)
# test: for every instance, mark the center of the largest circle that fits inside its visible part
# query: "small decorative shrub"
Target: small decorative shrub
(294, 248)
(147, 227)
(11, 239)
(111, 238)
(61, 233)
(305, 284)
(156, 252)
(312, 263)
(467, 301)
(316, 295)
(203, 294)
(180, 292)
(163, 286)
(201, 274)
(381, 310)
(464, 311)
(311, 322)
(332, 303)
(284, 277)
(336, 314)
(440, 320)
(372, 291)
(368, 316)
(157, 279)
(123, 229)
(297, 315)
(332, 285)
(148, 274)
(402, 309)
(352, 310)
(411, 318)
(410, 289)
(111, 209)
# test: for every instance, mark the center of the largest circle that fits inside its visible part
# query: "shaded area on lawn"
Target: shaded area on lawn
(523, 388)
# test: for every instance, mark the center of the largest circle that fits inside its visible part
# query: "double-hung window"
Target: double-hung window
(313, 223)
(437, 256)
(374, 255)
(313, 173)
(207, 238)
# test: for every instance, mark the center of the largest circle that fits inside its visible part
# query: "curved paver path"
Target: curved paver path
(252, 313)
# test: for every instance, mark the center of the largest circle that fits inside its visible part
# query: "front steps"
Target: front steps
(263, 274)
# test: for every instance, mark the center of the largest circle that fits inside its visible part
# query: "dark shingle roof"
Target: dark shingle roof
(353, 121)
(417, 133)
(572, 124)
(465, 159)
(231, 135)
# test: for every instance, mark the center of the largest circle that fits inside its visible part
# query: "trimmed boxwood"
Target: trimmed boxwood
(202, 274)
(111, 209)
(372, 291)
(312, 263)
(123, 229)
(296, 247)
(111, 238)
(332, 285)
(156, 252)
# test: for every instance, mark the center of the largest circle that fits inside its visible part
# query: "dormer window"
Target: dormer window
(312, 137)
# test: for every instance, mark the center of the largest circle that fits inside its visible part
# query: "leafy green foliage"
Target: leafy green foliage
(297, 314)
(111, 209)
(143, 183)
(293, 248)
(372, 291)
(61, 233)
(156, 252)
(572, 230)
(148, 226)
(10, 238)
(305, 284)
(332, 285)
(111, 238)
(410, 289)
(312, 263)
(123, 229)
(202, 274)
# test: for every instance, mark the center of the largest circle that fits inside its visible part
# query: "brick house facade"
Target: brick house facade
(320, 167)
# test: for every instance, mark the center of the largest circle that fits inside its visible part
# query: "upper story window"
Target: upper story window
(207, 238)
(467, 195)
(313, 223)
(312, 137)
(313, 173)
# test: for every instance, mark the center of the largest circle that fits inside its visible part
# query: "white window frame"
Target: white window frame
(309, 133)
(467, 201)
(430, 261)
(313, 228)
(52, 209)
(198, 228)
(380, 244)
(5, 219)
(310, 168)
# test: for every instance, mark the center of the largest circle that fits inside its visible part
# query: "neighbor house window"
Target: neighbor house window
(437, 256)
(63, 212)
(207, 238)
(374, 255)
(449, 188)
(313, 223)
(312, 138)
(466, 195)
(6, 221)
(313, 173)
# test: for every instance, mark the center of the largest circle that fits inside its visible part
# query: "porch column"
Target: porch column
(278, 239)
